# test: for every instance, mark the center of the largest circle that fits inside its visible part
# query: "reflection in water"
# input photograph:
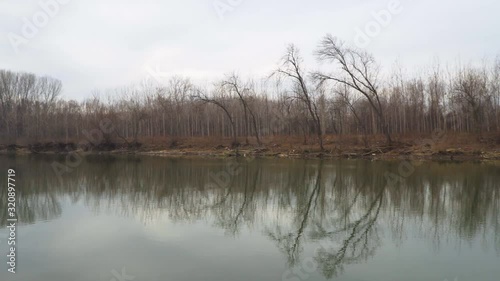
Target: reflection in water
(344, 206)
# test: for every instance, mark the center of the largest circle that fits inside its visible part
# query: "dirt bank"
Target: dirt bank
(447, 147)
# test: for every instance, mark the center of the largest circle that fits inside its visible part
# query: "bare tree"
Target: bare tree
(358, 70)
(470, 89)
(344, 93)
(495, 92)
(234, 84)
(348, 100)
(291, 68)
(219, 102)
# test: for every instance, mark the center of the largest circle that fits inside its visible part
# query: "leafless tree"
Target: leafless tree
(470, 90)
(350, 99)
(291, 67)
(358, 70)
(234, 84)
(219, 102)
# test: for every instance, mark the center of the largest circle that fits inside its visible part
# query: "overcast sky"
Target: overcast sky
(104, 44)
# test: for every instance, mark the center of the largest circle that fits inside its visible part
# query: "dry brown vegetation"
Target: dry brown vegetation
(452, 146)
(347, 110)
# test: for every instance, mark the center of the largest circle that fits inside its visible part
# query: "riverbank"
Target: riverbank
(446, 147)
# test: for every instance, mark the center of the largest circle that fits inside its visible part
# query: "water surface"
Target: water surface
(207, 219)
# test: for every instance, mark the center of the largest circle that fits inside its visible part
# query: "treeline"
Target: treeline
(350, 97)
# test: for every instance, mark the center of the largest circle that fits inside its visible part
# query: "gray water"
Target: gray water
(206, 219)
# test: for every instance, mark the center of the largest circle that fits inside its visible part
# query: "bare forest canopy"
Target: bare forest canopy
(350, 97)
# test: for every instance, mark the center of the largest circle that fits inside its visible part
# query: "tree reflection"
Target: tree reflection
(289, 242)
(344, 206)
(361, 243)
(235, 208)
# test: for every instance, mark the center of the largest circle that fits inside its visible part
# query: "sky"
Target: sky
(105, 44)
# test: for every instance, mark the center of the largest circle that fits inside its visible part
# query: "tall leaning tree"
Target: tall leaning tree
(355, 69)
(291, 68)
(220, 100)
(233, 83)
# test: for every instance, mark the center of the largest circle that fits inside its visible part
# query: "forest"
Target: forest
(349, 96)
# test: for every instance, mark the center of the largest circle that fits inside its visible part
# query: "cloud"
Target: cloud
(104, 44)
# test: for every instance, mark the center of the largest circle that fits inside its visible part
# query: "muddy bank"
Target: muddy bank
(396, 151)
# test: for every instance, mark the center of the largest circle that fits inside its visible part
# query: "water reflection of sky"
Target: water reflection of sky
(157, 219)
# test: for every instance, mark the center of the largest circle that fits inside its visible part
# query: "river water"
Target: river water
(149, 218)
